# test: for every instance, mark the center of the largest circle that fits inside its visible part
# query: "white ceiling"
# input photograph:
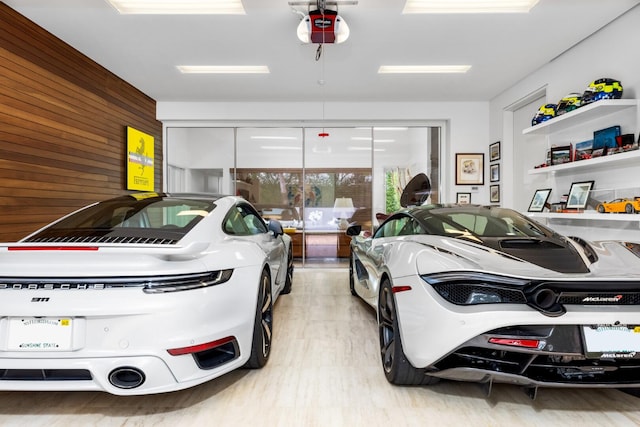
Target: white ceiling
(145, 50)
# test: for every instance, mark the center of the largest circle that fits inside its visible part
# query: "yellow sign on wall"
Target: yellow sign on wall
(139, 160)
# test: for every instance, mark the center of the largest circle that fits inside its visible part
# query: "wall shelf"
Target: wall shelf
(581, 115)
(586, 216)
(604, 162)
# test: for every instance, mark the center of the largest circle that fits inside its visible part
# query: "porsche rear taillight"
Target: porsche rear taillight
(200, 347)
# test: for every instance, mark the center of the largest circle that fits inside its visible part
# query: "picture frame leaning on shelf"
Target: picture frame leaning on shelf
(539, 200)
(579, 194)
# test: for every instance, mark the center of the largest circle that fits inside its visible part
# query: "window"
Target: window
(244, 221)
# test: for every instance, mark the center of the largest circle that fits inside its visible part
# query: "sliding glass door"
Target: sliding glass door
(315, 181)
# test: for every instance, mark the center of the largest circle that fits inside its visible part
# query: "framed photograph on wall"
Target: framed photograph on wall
(539, 200)
(494, 151)
(463, 198)
(494, 193)
(469, 168)
(494, 172)
(579, 194)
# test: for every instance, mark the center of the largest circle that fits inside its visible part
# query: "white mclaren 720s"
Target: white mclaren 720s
(140, 294)
(485, 294)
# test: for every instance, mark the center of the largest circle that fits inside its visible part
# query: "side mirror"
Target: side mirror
(354, 230)
(275, 227)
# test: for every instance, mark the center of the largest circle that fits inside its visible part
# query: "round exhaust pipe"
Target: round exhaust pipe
(545, 298)
(126, 377)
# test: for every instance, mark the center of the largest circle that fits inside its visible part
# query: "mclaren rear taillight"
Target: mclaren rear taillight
(516, 342)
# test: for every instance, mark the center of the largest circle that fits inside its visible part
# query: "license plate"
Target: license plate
(612, 341)
(40, 334)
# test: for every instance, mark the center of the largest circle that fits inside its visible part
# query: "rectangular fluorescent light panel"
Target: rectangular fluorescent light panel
(179, 7)
(468, 6)
(275, 137)
(223, 69)
(421, 69)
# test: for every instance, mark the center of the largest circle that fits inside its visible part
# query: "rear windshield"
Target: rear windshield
(480, 221)
(151, 218)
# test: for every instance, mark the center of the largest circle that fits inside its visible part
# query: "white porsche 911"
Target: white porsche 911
(484, 294)
(140, 294)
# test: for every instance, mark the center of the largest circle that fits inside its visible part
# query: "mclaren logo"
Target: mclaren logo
(616, 298)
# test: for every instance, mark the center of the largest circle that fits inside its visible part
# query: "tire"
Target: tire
(629, 209)
(289, 279)
(351, 271)
(600, 208)
(396, 367)
(263, 325)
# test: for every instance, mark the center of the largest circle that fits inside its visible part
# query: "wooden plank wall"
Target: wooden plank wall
(63, 124)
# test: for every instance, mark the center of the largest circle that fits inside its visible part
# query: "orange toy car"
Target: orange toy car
(623, 205)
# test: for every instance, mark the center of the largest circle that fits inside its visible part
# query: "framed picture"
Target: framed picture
(539, 200)
(494, 151)
(494, 172)
(494, 193)
(579, 194)
(463, 198)
(469, 168)
(560, 155)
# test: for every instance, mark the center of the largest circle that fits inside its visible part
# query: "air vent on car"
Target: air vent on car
(104, 239)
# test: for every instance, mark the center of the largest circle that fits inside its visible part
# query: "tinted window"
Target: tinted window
(243, 221)
(481, 221)
(399, 226)
(138, 216)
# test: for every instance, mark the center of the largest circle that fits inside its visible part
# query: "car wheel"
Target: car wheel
(351, 271)
(396, 367)
(628, 208)
(289, 279)
(600, 208)
(263, 325)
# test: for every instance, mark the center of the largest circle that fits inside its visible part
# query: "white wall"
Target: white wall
(465, 124)
(610, 52)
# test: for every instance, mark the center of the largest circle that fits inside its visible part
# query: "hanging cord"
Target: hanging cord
(322, 82)
(320, 5)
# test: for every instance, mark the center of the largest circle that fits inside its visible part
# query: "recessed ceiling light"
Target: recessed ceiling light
(468, 6)
(224, 69)
(178, 7)
(417, 69)
(279, 147)
(275, 137)
(365, 149)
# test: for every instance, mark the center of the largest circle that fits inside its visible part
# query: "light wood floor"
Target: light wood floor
(324, 371)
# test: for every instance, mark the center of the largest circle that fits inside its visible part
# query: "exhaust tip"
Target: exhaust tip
(126, 377)
(545, 298)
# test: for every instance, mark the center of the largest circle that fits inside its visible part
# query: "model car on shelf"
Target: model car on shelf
(140, 294)
(621, 205)
(485, 294)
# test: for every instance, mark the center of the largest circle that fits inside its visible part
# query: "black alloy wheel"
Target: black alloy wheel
(628, 208)
(289, 279)
(396, 367)
(351, 271)
(263, 325)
